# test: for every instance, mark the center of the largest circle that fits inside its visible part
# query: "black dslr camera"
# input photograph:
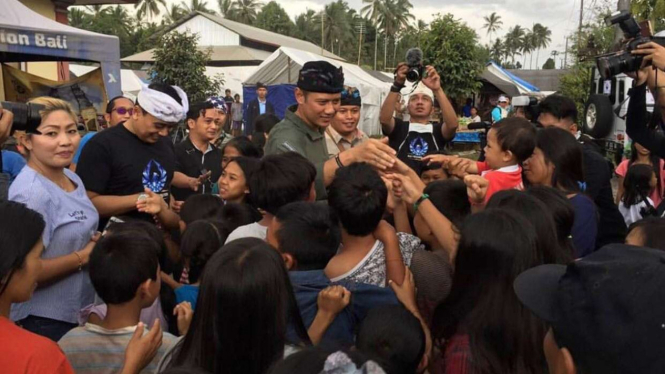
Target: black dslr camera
(414, 60)
(26, 116)
(611, 64)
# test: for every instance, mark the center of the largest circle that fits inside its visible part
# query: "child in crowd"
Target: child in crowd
(308, 236)
(201, 240)
(647, 233)
(234, 215)
(432, 173)
(641, 155)
(371, 252)
(233, 184)
(239, 146)
(277, 181)
(124, 270)
(263, 124)
(509, 143)
(635, 203)
(198, 207)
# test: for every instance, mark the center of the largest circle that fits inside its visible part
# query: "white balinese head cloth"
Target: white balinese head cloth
(162, 106)
(422, 89)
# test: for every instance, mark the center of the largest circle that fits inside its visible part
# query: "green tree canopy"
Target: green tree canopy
(549, 64)
(273, 17)
(452, 48)
(179, 62)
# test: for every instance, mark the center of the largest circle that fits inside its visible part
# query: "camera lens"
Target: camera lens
(413, 75)
(26, 116)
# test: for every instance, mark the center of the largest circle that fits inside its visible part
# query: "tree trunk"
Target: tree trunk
(395, 54)
(531, 61)
(376, 46)
(537, 57)
(385, 51)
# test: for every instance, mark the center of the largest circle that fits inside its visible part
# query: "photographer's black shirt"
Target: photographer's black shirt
(115, 162)
(191, 162)
(412, 142)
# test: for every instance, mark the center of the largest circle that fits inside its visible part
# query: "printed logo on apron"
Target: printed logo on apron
(418, 141)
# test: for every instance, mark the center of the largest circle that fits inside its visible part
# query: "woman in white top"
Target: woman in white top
(638, 185)
(47, 186)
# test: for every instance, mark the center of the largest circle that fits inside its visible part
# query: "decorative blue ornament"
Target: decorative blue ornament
(154, 179)
(418, 147)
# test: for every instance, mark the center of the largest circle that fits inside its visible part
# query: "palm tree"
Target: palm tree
(120, 19)
(197, 6)
(526, 45)
(513, 41)
(336, 26)
(225, 7)
(174, 14)
(78, 18)
(149, 8)
(400, 12)
(493, 23)
(372, 11)
(96, 10)
(306, 26)
(543, 38)
(497, 50)
(245, 11)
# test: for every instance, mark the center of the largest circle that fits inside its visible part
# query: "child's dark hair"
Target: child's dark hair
(636, 184)
(234, 215)
(432, 166)
(394, 337)
(560, 148)
(358, 196)
(120, 263)
(281, 179)
(263, 124)
(203, 206)
(562, 211)
(244, 146)
(312, 361)
(450, 198)
(516, 135)
(20, 230)
(310, 233)
(653, 159)
(651, 231)
(200, 241)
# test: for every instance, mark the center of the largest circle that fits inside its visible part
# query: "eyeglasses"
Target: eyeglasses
(122, 111)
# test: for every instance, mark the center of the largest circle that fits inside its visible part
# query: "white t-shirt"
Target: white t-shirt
(253, 230)
(632, 214)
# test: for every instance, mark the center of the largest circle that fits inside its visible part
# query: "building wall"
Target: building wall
(209, 32)
(48, 70)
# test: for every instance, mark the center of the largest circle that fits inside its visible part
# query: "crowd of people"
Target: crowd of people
(305, 246)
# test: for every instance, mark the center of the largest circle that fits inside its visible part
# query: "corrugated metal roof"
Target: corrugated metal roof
(219, 53)
(260, 35)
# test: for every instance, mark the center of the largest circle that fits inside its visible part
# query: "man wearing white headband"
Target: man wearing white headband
(127, 170)
(418, 137)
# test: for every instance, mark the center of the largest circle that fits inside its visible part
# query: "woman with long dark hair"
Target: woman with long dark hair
(639, 183)
(562, 211)
(557, 162)
(234, 181)
(485, 328)
(245, 303)
(641, 155)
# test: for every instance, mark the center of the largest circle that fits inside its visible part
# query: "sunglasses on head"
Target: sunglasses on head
(122, 111)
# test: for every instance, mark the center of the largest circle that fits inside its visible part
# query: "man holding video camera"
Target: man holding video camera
(418, 137)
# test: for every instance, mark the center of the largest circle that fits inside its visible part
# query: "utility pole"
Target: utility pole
(565, 55)
(579, 30)
(361, 30)
(323, 15)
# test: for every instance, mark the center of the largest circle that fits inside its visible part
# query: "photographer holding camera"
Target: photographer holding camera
(418, 137)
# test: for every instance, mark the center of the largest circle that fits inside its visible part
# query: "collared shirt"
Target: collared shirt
(336, 143)
(262, 106)
(191, 162)
(308, 284)
(292, 134)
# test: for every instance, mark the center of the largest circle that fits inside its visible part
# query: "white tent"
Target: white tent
(233, 77)
(283, 65)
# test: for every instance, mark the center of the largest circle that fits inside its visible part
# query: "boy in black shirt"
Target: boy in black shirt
(128, 169)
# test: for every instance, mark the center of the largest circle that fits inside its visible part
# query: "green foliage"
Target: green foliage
(179, 62)
(273, 17)
(575, 85)
(452, 48)
(549, 64)
(653, 10)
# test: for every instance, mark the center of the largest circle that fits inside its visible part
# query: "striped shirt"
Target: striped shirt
(71, 220)
(94, 349)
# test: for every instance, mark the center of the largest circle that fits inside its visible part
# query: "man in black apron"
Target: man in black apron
(418, 137)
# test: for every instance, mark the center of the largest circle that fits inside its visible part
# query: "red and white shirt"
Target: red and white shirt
(505, 178)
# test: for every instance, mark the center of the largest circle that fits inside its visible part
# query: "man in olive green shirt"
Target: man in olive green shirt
(303, 129)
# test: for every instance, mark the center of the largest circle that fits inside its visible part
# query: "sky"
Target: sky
(560, 16)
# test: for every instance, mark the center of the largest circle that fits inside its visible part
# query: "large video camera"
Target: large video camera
(614, 63)
(26, 116)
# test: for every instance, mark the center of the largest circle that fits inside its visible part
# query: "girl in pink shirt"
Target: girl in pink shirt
(641, 155)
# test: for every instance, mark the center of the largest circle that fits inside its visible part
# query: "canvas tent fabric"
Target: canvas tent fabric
(131, 83)
(280, 73)
(28, 36)
(508, 83)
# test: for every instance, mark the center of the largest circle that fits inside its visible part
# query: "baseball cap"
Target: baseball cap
(606, 308)
(503, 99)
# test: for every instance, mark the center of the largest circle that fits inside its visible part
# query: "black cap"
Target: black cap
(351, 96)
(321, 76)
(608, 308)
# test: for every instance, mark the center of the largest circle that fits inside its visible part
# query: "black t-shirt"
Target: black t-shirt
(413, 142)
(115, 162)
(190, 161)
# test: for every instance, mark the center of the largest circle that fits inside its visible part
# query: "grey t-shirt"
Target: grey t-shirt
(253, 230)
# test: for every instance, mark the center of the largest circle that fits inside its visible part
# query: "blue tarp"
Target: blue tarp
(28, 36)
(281, 96)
